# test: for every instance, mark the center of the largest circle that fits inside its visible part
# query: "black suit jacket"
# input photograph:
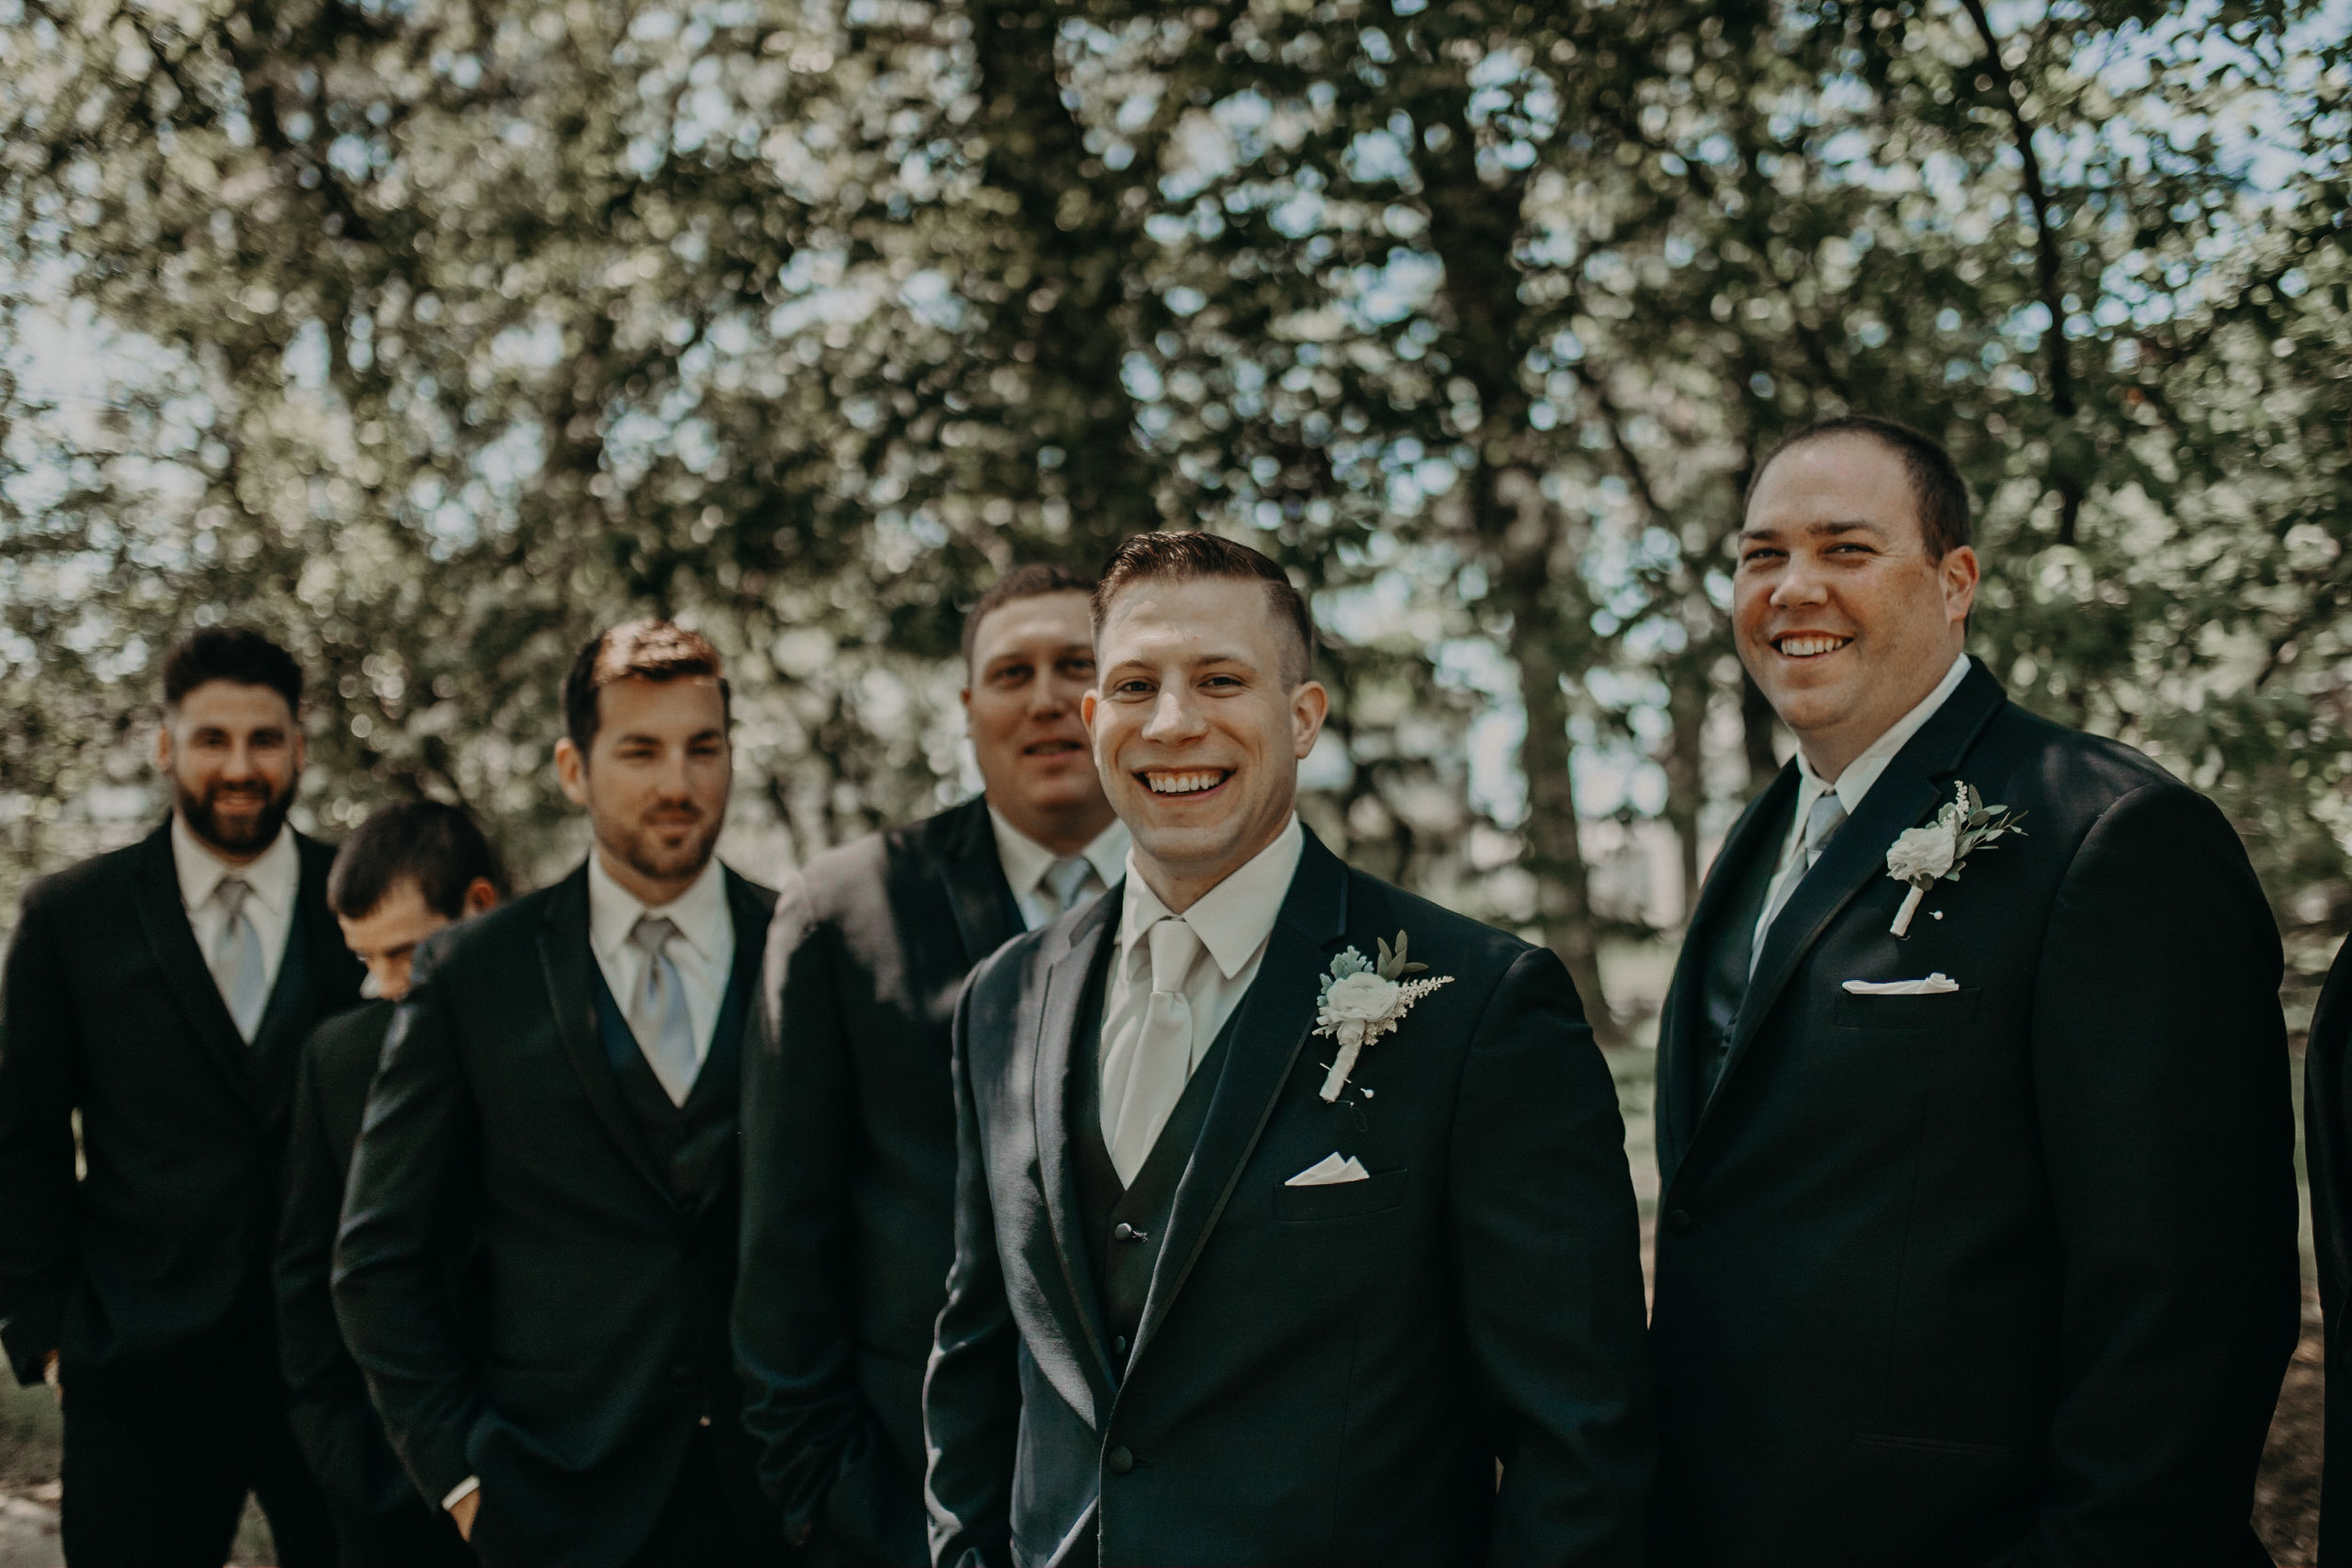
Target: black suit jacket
(2006, 1274)
(604, 1325)
(328, 1401)
(849, 1167)
(1320, 1374)
(162, 1251)
(2328, 1151)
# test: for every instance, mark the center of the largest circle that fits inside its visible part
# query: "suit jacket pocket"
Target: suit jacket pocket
(1341, 1199)
(1943, 1010)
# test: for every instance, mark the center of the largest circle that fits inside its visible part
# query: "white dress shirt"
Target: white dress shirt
(1026, 862)
(1852, 785)
(705, 953)
(275, 877)
(1233, 920)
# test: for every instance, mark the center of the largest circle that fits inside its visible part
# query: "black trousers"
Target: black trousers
(413, 1537)
(715, 1518)
(157, 1465)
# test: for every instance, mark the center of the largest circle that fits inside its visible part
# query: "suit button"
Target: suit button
(1122, 1231)
(1118, 1461)
(1119, 1344)
(1679, 1221)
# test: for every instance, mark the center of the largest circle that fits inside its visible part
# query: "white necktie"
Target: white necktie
(1827, 815)
(657, 1015)
(1144, 1075)
(236, 957)
(1063, 879)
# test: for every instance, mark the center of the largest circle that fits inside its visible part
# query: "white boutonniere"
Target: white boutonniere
(1362, 1001)
(1937, 852)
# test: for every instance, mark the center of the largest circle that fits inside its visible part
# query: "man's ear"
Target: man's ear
(163, 748)
(1961, 573)
(479, 899)
(1310, 705)
(571, 771)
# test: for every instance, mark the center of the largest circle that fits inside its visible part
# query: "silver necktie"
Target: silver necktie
(1063, 879)
(657, 1015)
(236, 957)
(1142, 1083)
(1827, 816)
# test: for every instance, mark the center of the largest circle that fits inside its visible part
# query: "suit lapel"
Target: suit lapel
(564, 959)
(1274, 1019)
(986, 916)
(1913, 783)
(1059, 1026)
(172, 941)
(1680, 1034)
(314, 957)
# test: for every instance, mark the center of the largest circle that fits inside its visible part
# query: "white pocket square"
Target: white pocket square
(1330, 1171)
(1935, 985)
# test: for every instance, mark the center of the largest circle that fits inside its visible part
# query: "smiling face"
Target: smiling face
(1032, 662)
(234, 754)
(654, 782)
(1840, 614)
(1197, 731)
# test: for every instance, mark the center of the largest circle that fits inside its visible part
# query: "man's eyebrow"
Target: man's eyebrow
(1853, 525)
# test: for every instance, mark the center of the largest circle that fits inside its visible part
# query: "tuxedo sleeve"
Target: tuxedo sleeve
(36, 1184)
(971, 1391)
(326, 1403)
(402, 1208)
(823, 1455)
(1547, 1259)
(2160, 1077)
(2327, 1128)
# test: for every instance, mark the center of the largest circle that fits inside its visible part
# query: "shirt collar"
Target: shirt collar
(275, 876)
(1234, 918)
(1861, 773)
(700, 912)
(1026, 862)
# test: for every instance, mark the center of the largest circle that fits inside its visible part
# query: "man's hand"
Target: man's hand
(49, 1376)
(463, 1511)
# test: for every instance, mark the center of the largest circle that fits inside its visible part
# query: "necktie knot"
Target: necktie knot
(652, 933)
(230, 895)
(1175, 947)
(1064, 877)
(1827, 816)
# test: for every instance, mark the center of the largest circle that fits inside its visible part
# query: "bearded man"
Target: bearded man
(1289, 1206)
(163, 993)
(560, 1085)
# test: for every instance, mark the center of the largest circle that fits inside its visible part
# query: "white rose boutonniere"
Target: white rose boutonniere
(1362, 1001)
(1938, 851)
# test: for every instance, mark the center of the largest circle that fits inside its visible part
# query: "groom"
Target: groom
(1978, 1229)
(1222, 1295)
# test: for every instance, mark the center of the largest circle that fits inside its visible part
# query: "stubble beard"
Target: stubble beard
(197, 810)
(643, 853)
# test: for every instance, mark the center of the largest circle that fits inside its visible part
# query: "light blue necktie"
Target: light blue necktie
(657, 1015)
(236, 957)
(1063, 879)
(1827, 816)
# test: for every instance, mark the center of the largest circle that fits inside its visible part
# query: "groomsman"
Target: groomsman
(561, 1083)
(163, 992)
(1226, 1290)
(849, 1115)
(409, 871)
(2328, 1149)
(1979, 1238)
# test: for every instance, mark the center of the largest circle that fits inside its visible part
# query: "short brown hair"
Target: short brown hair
(439, 848)
(1938, 492)
(235, 654)
(1187, 555)
(1032, 581)
(638, 650)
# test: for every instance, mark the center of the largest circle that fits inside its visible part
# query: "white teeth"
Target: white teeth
(1183, 783)
(1806, 647)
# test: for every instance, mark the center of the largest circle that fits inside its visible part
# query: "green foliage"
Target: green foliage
(432, 336)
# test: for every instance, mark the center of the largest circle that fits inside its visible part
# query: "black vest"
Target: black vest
(1725, 981)
(693, 1144)
(1124, 1225)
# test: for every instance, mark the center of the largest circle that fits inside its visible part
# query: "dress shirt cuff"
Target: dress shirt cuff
(460, 1492)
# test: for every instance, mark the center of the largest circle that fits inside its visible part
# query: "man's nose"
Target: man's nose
(671, 778)
(1801, 584)
(1050, 698)
(239, 763)
(1173, 718)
